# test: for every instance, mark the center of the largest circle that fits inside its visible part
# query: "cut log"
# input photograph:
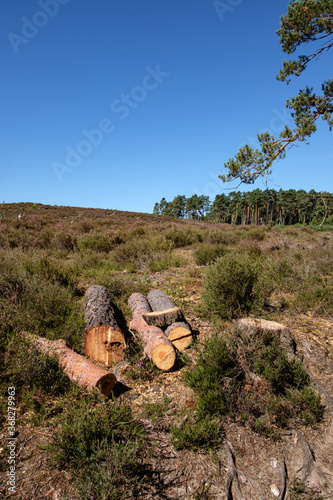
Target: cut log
(77, 368)
(255, 325)
(180, 335)
(163, 318)
(156, 345)
(164, 312)
(103, 341)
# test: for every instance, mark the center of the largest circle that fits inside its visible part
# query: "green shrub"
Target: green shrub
(96, 242)
(101, 444)
(63, 241)
(301, 490)
(230, 286)
(156, 411)
(256, 234)
(206, 254)
(140, 368)
(194, 433)
(139, 253)
(39, 294)
(183, 237)
(270, 360)
(211, 377)
(160, 262)
(248, 377)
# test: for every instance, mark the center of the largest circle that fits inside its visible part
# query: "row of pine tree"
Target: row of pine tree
(254, 207)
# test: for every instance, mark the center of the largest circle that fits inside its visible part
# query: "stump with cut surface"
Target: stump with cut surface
(77, 368)
(103, 341)
(156, 345)
(285, 337)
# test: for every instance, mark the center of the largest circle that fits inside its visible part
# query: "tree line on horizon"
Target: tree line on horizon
(258, 207)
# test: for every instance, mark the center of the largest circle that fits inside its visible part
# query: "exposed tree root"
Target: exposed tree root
(309, 464)
(324, 392)
(284, 481)
(232, 476)
(310, 470)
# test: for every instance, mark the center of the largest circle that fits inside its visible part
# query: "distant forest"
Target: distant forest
(254, 207)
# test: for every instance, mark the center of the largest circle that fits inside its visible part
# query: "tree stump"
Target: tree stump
(103, 341)
(156, 345)
(255, 325)
(77, 368)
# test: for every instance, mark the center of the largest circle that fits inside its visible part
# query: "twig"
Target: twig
(23, 445)
(328, 314)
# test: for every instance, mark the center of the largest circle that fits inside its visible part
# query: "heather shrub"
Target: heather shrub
(256, 234)
(183, 237)
(231, 286)
(165, 261)
(250, 378)
(138, 253)
(102, 446)
(39, 294)
(205, 254)
(96, 242)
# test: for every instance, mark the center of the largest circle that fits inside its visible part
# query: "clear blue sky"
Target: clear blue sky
(118, 104)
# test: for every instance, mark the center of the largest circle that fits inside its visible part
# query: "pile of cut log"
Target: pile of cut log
(161, 327)
(155, 319)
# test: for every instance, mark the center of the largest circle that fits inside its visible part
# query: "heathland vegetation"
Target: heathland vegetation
(49, 256)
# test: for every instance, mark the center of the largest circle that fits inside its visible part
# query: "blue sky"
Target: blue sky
(117, 104)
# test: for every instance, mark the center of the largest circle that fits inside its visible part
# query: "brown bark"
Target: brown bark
(156, 345)
(180, 335)
(159, 301)
(77, 368)
(103, 340)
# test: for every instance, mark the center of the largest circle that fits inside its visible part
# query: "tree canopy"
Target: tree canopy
(307, 23)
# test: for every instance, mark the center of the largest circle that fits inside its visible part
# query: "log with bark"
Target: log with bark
(103, 341)
(165, 314)
(77, 368)
(157, 346)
